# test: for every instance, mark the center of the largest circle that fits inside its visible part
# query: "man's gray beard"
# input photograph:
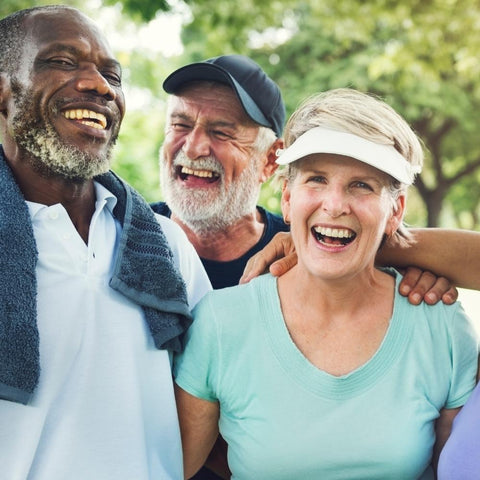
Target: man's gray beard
(50, 156)
(214, 209)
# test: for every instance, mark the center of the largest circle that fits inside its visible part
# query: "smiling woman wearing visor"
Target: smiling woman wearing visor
(327, 372)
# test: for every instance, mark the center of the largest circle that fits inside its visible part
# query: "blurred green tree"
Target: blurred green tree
(421, 57)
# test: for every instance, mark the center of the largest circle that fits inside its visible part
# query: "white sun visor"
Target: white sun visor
(323, 140)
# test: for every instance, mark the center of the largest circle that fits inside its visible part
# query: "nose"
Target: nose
(197, 143)
(335, 202)
(91, 80)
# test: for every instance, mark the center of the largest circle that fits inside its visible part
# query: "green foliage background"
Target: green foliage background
(420, 56)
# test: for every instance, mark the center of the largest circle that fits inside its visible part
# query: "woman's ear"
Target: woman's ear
(271, 160)
(396, 217)
(285, 202)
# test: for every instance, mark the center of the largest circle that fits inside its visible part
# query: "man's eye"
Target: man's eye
(67, 62)
(180, 126)
(221, 134)
(317, 179)
(113, 78)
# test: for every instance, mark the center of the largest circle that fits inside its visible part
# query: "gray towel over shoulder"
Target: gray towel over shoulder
(144, 272)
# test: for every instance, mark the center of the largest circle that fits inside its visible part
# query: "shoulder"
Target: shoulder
(161, 208)
(437, 323)
(238, 301)
(274, 221)
(186, 260)
(175, 235)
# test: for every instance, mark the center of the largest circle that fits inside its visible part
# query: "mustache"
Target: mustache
(204, 163)
(60, 103)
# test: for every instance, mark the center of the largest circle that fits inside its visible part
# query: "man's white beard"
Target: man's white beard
(214, 209)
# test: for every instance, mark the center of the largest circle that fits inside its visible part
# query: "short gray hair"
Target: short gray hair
(12, 35)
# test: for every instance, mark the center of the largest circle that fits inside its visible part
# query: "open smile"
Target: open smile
(333, 236)
(187, 174)
(87, 117)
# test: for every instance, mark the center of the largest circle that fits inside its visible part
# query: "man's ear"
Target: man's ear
(4, 93)
(270, 164)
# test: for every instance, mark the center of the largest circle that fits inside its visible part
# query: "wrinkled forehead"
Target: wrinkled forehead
(46, 28)
(319, 162)
(211, 99)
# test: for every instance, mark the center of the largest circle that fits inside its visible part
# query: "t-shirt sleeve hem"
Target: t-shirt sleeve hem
(459, 402)
(185, 385)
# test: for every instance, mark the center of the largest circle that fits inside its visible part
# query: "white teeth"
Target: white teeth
(198, 173)
(334, 232)
(85, 116)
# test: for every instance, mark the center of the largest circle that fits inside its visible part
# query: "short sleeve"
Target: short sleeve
(187, 261)
(464, 357)
(195, 369)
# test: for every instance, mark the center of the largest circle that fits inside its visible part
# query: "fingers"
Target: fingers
(280, 245)
(450, 296)
(256, 265)
(283, 265)
(424, 286)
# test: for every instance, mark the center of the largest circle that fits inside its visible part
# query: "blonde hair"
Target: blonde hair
(361, 114)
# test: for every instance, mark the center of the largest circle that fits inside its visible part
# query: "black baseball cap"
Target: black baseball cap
(259, 95)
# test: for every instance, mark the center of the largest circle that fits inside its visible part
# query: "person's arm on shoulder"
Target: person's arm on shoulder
(454, 254)
(198, 427)
(279, 256)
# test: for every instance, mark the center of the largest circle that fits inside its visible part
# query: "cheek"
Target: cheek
(301, 207)
(234, 163)
(172, 143)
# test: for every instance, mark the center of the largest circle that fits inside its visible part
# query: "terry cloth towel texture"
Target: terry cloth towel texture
(144, 272)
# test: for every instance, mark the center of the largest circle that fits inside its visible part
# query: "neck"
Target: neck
(344, 298)
(78, 198)
(229, 243)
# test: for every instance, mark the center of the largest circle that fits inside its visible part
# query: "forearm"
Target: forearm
(454, 254)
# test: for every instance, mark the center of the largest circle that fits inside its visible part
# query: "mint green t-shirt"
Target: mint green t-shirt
(283, 418)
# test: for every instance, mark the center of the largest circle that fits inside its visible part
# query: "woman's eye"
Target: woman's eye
(362, 185)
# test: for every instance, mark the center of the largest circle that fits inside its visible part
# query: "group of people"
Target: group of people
(321, 371)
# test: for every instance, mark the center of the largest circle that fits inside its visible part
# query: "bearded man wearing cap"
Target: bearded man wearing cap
(224, 125)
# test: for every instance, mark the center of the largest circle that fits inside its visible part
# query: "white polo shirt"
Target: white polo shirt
(104, 407)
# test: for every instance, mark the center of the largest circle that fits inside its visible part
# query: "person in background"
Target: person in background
(224, 124)
(326, 371)
(92, 303)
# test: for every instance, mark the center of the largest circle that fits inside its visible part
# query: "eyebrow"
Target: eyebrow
(362, 177)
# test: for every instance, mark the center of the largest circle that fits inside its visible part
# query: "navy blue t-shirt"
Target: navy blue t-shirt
(227, 274)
